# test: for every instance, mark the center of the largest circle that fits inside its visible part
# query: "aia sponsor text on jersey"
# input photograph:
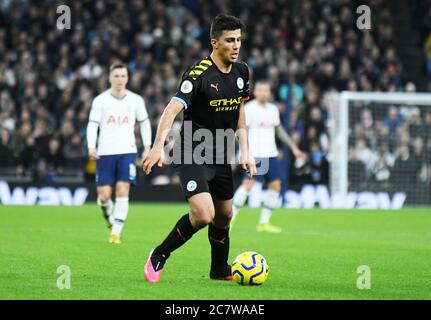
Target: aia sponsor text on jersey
(118, 120)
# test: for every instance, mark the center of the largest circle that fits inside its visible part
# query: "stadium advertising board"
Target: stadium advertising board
(307, 197)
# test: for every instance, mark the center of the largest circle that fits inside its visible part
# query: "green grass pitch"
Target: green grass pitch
(316, 256)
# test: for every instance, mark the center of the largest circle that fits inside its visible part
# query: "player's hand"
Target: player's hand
(92, 154)
(298, 153)
(156, 155)
(249, 165)
(145, 153)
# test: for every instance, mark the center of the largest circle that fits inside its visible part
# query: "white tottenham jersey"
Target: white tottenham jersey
(261, 122)
(116, 119)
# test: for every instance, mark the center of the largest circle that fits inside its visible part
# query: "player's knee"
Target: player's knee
(248, 184)
(205, 220)
(202, 216)
(275, 185)
(223, 217)
(223, 221)
(229, 216)
(121, 191)
(201, 221)
(103, 197)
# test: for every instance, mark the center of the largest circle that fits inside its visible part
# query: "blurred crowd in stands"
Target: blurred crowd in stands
(389, 145)
(423, 23)
(48, 77)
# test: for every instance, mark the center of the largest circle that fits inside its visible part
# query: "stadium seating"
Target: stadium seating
(48, 77)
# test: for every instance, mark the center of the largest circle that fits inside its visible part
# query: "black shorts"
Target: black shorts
(216, 179)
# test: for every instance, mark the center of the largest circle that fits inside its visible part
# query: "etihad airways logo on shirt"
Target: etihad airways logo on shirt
(226, 104)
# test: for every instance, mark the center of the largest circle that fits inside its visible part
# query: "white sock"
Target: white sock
(271, 202)
(120, 214)
(240, 196)
(107, 207)
(265, 215)
(239, 199)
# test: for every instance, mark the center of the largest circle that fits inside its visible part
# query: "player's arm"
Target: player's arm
(92, 127)
(156, 154)
(285, 138)
(144, 127)
(247, 159)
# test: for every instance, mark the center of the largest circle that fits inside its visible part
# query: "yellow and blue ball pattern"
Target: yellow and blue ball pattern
(250, 268)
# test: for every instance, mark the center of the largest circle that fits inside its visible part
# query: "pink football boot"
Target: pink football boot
(151, 275)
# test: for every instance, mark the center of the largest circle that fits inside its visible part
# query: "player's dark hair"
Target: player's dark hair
(117, 65)
(224, 22)
(263, 81)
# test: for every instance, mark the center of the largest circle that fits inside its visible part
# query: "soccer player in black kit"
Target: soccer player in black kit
(211, 95)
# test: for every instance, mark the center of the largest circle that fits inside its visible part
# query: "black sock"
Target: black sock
(219, 240)
(106, 215)
(179, 235)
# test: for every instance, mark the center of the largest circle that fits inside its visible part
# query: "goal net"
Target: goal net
(380, 155)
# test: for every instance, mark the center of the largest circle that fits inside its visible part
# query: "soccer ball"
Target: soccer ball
(250, 268)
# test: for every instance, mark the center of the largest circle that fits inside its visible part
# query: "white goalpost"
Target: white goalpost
(380, 149)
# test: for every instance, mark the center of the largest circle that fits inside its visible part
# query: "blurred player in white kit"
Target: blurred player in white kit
(263, 123)
(114, 113)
